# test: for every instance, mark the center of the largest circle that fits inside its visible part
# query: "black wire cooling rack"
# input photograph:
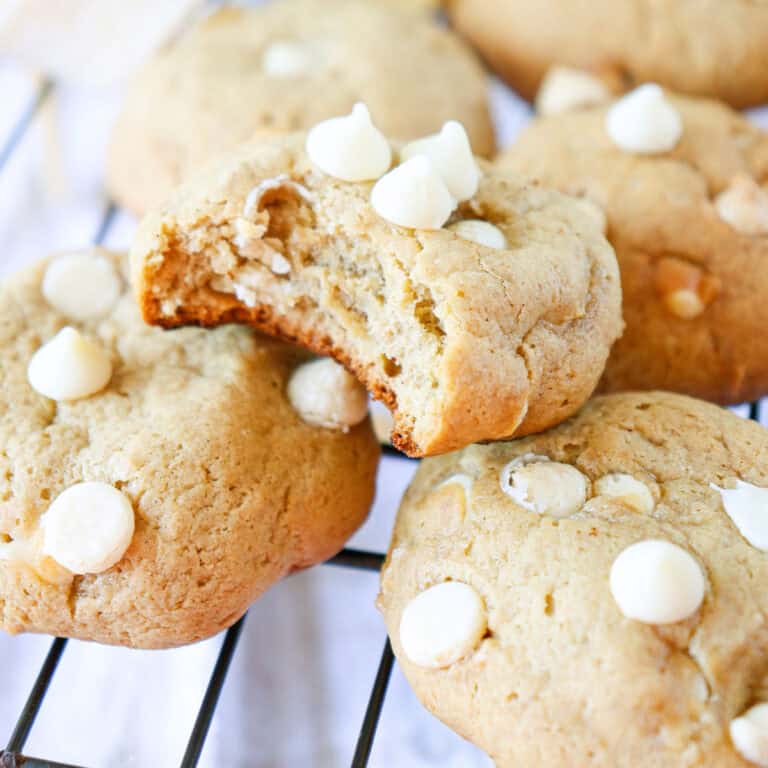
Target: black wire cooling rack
(12, 756)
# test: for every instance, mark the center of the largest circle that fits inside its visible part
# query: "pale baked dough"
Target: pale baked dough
(561, 677)
(694, 285)
(462, 341)
(702, 47)
(231, 488)
(208, 90)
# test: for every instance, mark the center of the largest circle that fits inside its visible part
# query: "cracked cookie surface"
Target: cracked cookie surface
(231, 490)
(703, 47)
(560, 677)
(693, 282)
(284, 67)
(462, 341)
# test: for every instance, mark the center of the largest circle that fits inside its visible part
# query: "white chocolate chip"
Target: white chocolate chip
(280, 265)
(451, 156)
(657, 582)
(245, 294)
(253, 198)
(88, 527)
(684, 303)
(478, 231)
(744, 205)
(383, 422)
(565, 89)
(543, 486)
(287, 58)
(633, 492)
(69, 367)
(350, 148)
(442, 625)
(747, 506)
(325, 395)
(644, 121)
(462, 480)
(413, 195)
(82, 286)
(749, 734)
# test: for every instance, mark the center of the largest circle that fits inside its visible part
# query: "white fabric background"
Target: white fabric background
(300, 681)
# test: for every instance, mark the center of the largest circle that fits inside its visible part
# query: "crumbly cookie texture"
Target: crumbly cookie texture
(690, 230)
(561, 676)
(462, 341)
(229, 488)
(283, 67)
(709, 48)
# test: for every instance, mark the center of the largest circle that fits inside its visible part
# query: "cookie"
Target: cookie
(170, 481)
(592, 595)
(284, 67)
(683, 185)
(714, 49)
(497, 324)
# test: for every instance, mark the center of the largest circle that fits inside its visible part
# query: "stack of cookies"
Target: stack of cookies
(571, 581)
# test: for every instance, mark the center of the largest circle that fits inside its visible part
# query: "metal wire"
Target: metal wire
(211, 698)
(375, 705)
(22, 124)
(357, 558)
(389, 450)
(37, 694)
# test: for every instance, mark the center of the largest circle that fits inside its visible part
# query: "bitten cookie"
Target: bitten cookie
(283, 67)
(683, 185)
(497, 323)
(152, 485)
(593, 595)
(711, 48)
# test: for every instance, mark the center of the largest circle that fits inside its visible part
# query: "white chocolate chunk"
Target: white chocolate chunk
(633, 492)
(287, 58)
(479, 231)
(245, 294)
(644, 121)
(744, 205)
(413, 195)
(463, 481)
(657, 582)
(749, 734)
(747, 506)
(543, 486)
(324, 394)
(565, 89)
(82, 286)
(280, 265)
(442, 625)
(684, 303)
(69, 367)
(253, 199)
(350, 148)
(451, 156)
(88, 527)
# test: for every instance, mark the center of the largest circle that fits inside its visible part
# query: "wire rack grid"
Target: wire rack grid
(12, 756)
